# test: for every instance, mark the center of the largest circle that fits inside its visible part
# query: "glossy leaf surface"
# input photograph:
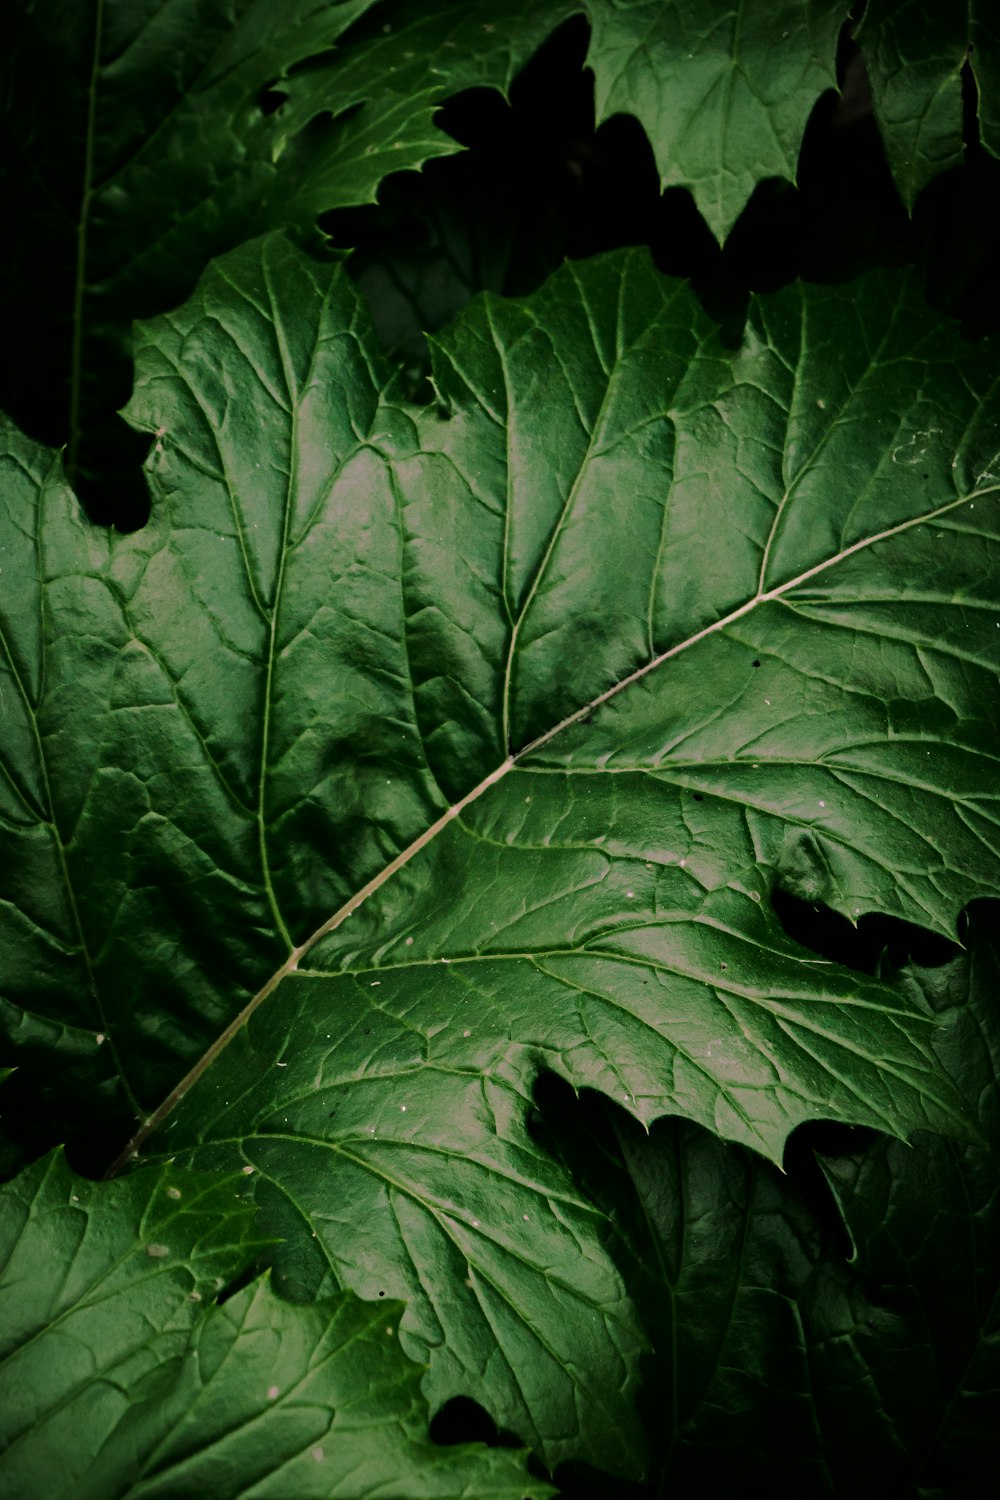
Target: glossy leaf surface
(445, 735)
(123, 1375)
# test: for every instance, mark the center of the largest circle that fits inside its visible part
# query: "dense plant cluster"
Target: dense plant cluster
(499, 639)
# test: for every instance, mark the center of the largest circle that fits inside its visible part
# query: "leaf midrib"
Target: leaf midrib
(291, 964)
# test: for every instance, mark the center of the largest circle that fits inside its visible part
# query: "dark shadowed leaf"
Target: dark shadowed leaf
(788, 1356)
(915, 55)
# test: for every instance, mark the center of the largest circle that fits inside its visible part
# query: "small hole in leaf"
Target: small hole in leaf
(237, 1284)
(462, 1420)
(270, 99)
(756, 663)
(861, 947)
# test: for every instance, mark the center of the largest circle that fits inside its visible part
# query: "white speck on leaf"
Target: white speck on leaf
(272, 1393)
(157, 1252)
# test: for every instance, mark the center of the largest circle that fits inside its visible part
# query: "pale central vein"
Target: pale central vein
(350, 906)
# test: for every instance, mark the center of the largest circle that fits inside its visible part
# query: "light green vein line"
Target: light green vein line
(758, 599)
(340, 916)
(292, 962)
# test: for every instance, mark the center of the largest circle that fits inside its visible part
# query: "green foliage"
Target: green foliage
(417, 835)
(123, 1373)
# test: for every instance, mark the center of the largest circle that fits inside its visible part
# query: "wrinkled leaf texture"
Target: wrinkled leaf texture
(123, 1373)
(465, 742)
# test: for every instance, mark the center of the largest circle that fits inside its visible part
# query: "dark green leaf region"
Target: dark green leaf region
(408, 753)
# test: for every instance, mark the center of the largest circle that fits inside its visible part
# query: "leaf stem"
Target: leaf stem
(131, 1150)
(133, 1147)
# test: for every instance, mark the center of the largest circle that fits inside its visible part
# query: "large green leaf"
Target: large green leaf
(121, 1373)
(443, 741)
(915, 54)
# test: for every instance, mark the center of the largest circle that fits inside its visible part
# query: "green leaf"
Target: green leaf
(774, 1353)
(739, 1288)
(123, 1374)
(405, 62)
(925, 1225)
(915, 55)
(724, 94)
(445, 745)
(136, 147)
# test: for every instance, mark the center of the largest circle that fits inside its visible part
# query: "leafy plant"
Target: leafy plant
(417, 833)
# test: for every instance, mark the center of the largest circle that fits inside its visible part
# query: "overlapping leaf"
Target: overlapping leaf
(787, 1354)
(915, 56)
(724, 94)
(925, 1226)
(122, 1374)
(136, 147)
(136, 143)
(415, 55)
(448, 734)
